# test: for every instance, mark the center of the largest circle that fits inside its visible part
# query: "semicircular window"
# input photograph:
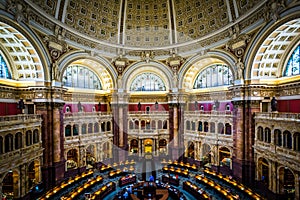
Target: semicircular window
(293, 65)
(147, 82)
(213, 76)
(4, 72)
(81, 77)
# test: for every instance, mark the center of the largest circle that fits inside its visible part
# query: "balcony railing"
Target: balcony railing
(209, 113)
(278, 116)
(86, 115)
(148, 113)
(19, 118)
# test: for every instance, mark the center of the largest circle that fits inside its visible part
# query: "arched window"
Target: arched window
(147, 82)
(108, 126)
(36, 137)
(212, 127)
(4, 72)
(260, 133)
(90, 128)
(68, 131)
(75, 129)
(205, 126)
(28, 138)
(1, 145)
(8, 143)
(293, 65)
(193, 126)
(267, 137)
(188, 125)
(81, 77)
(159, 124)
(213, 76)
(18, 140)
(200, 126)
(83, 129)
(287, 139)
(227, 129)
(278, 137)
(220, 128)
(297, 141)
(96, 127)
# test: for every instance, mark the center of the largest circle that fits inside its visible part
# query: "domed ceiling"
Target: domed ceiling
(151, 24)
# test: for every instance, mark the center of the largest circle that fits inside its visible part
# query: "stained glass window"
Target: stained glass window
(81, 77)
(147, 82)
(293, 65)
(213, 76)
(4, 72)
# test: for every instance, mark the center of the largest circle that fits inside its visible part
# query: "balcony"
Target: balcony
(86, 115)
(12, 120)
(278, 116)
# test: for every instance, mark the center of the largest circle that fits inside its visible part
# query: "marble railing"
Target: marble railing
(278, 116)
(87, 115)
(18, 119)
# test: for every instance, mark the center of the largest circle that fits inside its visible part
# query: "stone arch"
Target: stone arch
(34, 51)
(286, 180)
(13, 180)
(157, 68)
(259, 68)
(100, 66)
(264, 170)
(191, 67)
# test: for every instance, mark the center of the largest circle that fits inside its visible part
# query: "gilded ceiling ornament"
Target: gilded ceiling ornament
(147, 56)
(56, 44)
(175, 62)
(120, 63)
(273, 9)
(19, 9)
(238, 45)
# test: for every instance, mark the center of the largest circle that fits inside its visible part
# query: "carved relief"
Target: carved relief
(19, 9)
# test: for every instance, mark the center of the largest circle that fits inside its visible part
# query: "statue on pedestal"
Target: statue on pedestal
(273, 104)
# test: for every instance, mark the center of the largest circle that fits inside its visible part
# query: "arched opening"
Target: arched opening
(287, 182)
(33, 174)
(72, 159)
(134, 146)
(28, 138)
(278, 137)
(68, 131)
(36, 137)
(220, 128)
(90, 156)
(260, 133)
(191, 150)
(297, 141)
(131, 125)
(8, 143)
(227, 129)
(83, 129)
(90, 128)
(287, 139)
(212, 127)
(224, 157)
(148, 145)
(10, 185)
(75, 129)
(18, 140)
(200, 127)
(206, 154)
(162, 146)
(205, 126)
(263, 166)
(108, 126)
(96, 127)
(267, 137)
(106, 150)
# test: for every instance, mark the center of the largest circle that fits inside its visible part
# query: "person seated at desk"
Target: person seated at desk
(151, 178)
